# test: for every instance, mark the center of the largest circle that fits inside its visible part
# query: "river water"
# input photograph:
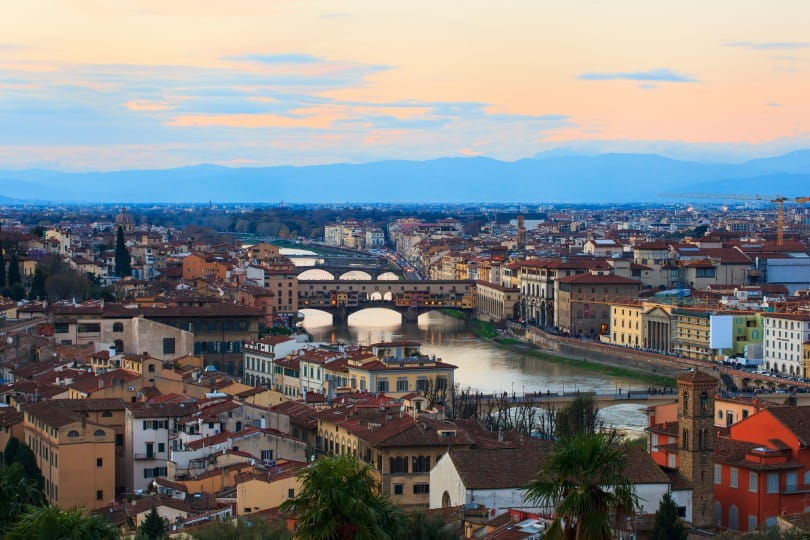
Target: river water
(481, 365)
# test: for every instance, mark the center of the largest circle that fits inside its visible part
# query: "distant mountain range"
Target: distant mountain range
(548, 177)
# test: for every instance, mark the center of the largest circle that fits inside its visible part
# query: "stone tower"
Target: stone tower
(696, 391)
(521, 233)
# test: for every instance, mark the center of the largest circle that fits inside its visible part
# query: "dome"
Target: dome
(123, 218)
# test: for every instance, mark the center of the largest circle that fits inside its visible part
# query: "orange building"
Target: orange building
(76, 456)
(199, 265)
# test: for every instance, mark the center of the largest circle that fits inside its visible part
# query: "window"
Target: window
(753, 480)
(420, 489)
(773, 482)
(87, 328)
(98, 433)
(397, 489)
(733, 474)
(161, 447)
(99, 495)
(402, 385)
(420, 464)
(119, 440)
(791, 479)
(718, 473)
(118, 327)
(73, 433)
(61, 328)
(382, 385)
(682, 512)
(168, 345)
(99, 462)
(398, 465)
(752, 523)
(290, 493)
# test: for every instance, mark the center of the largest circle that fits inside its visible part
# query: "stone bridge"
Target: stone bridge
(558, 399)
(341, 298)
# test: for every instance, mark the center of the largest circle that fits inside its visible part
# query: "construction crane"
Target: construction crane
(778, 199)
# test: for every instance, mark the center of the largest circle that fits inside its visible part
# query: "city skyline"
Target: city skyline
(144, 85)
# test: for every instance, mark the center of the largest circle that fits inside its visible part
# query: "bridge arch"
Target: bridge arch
(315, 274)
(317, 317)
(388, 276)
(379, 310)
(357, 275)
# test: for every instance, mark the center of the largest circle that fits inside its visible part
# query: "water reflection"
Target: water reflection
(481, 365)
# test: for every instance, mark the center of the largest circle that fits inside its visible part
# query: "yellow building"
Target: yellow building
(400, 449)
(10, 426)
(398, 376)
(691, 334)
(76, 457)
(626, 327)
(264, 490)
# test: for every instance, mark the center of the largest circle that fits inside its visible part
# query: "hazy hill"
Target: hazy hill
(549, 178)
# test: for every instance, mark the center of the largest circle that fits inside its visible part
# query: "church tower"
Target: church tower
(696, 391)
(521, 233)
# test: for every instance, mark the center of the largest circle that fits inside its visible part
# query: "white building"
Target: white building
(784, 335)
(258, 357)
(496, 478)
(150, 431)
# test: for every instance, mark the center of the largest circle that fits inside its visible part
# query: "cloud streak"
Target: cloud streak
(652, 75)
(769, 45)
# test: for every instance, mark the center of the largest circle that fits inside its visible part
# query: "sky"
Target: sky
(108, 85)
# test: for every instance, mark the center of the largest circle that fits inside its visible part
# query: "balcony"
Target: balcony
(145, 455)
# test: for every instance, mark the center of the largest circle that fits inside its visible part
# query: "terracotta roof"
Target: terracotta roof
(733, 452)
(160, 410)
(796, 419)
(498, 468)
(601, 279)
(640, 468)
(697, 376)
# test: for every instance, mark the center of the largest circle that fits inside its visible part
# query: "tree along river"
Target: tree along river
(482, 365)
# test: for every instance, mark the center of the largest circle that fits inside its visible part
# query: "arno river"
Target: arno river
(481, 365)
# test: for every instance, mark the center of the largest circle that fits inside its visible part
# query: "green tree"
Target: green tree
(38, 284)
(338, 500)
(25, 457)
(243, 529)
(17, 491)
(419, 526)
(13, 275)
(122, 263)
(153, 527)
(579, 416)
(583, 479)
(51, 523)
(10, 451)
(667, 525)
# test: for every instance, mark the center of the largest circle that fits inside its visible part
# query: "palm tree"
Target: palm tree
(583, 479)
(339, 500)
(50, 523)
(17, 491)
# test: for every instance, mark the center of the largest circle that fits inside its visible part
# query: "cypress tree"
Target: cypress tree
(2, 266)
(13, 275)
(122, 265)
(667, 525)
(38, 284)
(153, 527)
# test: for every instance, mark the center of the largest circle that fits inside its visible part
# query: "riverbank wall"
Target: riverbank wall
(627, 358)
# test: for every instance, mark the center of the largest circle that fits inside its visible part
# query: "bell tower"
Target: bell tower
(696, 391)
(521, 233)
